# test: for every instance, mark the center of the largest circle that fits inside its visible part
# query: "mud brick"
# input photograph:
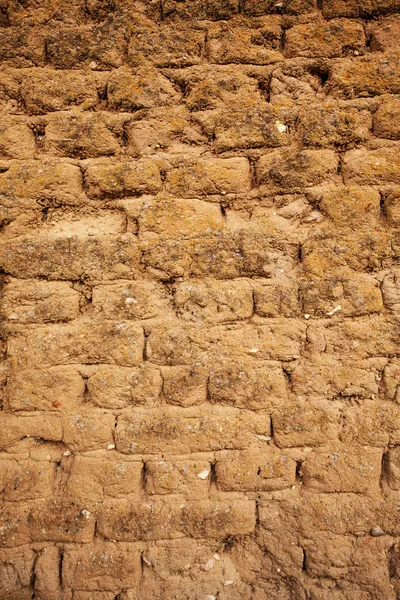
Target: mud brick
(140, 88)
(372, 167)
(384, 34)
(89, 342)
(100, 47)
(305, 424)
(353, 338)
(38, 181)
(160, 520)
(391, 291)
(117, 387)
(172, 218)
(331, 377)
(250, 470)
(351, 205)
(343, 470)
(252, 41)
(102, 565)
(261, 7)
(170, 346)
(244, 386)
(189, 477)
(166, 45)
(131, 300)
(328, 39)
(15, 428)
(16, 138)
(47, 573)
(210, 176)
(391, 207)
(214, 301)
(373, 423)
(192, 429)
(369, 75)
(125, 179)
(91, 480)
(13, 527)
(77, 257)
(327, 124)
(88, 430)
(54, 521)
(357, 8)
(285, 168)
(391, 380)
(393, 468)
(274, 298)
(185, 385)
(81, 135)
(22, 480)
(39, 302)
(21, 47)
(198, 10)
(43, 93)
(16, 571)
(387, 118)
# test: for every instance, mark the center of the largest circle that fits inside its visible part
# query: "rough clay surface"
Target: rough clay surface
(200, 254)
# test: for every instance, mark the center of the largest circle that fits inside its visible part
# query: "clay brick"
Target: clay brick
(80, 135)
(250, 470)
(387, 119)
(73, 258)
(118, 343)
(15, 428)
(343, 470)
(274, 298)
(21, 47)
(37, 181)
(16, 138)
(357, 8)
(391, 291)
(328, 39)
(385, 34)
(166, 45)
(305, 424)
(245, 387)
(210, 176)
(213, 301)
(141, 88)
(330, 124)
(39, 302)
(260, 7)
(171, 218)
(369, 75)
(185, 385)
(372, 167)
(391, 207)
(117, 387)
(124, 179)
(13, 529)
(353, 338)
(92, 479)
(189, 477)
(45, 90)
(285, 168)
(255, 42)
(130, 300)
(200, 519)
(102, 565)
(393, 468)
(99, 47)
(391, 380)
(192, 429)
(373, 423)
(22, 480)
(16, 570)
(54, 521)
(199, 10)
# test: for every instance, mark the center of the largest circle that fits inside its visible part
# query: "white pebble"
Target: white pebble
(307, 316)
(228, 582)
(334, 310)
(110, 446)
(203, 474)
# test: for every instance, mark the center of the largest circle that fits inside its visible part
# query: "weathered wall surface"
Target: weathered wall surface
(201, 265)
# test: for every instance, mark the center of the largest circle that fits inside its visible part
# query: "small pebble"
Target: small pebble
(377, 531)
(307, 316)
(203, 474)
(228, 582)
(263, 438)
(110, 446)
(210, 564)
(210, 597)
(67, 453)
(216, 556)
(334, 310)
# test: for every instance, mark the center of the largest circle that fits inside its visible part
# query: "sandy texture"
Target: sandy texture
(200, 268)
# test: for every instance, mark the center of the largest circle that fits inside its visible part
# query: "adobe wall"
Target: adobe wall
(200, 255)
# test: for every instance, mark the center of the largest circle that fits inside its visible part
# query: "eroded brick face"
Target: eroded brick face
(200, 270)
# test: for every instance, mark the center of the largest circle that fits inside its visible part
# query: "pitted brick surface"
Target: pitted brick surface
(200, 269)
